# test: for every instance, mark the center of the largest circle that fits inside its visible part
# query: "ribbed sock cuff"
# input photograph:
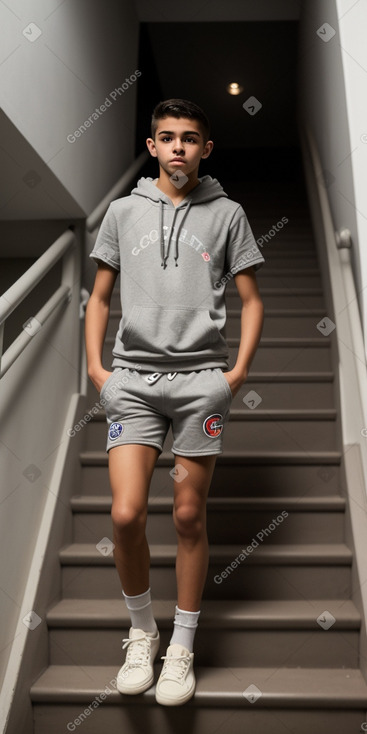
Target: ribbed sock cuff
(184, 628)
(141, 611)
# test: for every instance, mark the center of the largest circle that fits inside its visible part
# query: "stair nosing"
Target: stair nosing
(326, 376)
(310, 688)
(276, 312)
(255, 614)
(76, 554)
(284, 291)
(289, 271)
(332, 503)
(93, 458)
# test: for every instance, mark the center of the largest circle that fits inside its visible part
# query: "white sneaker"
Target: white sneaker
(136, 675)
(176, 683)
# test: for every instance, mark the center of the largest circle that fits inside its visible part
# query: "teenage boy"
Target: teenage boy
(170, 368)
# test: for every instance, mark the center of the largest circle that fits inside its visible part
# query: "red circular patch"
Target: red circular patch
(211, 427)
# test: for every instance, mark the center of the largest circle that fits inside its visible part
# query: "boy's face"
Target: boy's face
(179, 143)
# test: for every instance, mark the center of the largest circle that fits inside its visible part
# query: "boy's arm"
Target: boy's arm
(96, 320)
(252, 317)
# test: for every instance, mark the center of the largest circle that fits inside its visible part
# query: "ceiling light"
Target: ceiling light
(234, 88)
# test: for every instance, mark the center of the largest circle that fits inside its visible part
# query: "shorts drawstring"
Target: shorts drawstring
(154, 376)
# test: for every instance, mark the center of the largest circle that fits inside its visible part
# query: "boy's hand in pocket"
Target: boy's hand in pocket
(100, 378)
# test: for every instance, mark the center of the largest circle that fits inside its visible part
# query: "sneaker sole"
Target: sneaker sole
(174, 702)
(135, 691)
(143, 686)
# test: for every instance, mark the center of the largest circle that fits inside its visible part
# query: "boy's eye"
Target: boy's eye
(188, 139)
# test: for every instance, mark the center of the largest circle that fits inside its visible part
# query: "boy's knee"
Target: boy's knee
(188, 519)
(128, 518)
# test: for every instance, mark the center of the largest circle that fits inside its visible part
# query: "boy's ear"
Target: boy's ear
(151, 147)
(208, 147)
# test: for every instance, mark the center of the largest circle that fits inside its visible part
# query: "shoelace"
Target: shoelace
(175, 666)
(139, 648)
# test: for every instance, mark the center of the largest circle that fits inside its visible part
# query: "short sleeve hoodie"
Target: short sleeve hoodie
(174, 264)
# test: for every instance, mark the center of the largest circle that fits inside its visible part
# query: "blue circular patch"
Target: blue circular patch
(115, 431)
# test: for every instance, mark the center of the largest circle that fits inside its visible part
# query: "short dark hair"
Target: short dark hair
(180, 108)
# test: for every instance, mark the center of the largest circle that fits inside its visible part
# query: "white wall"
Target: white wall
(59, 61)
(332, 99)
(49, 85)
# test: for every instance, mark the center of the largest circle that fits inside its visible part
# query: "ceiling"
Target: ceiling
(162, 11)
(197, 60)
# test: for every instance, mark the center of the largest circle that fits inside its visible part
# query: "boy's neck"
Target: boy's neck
(167, 186)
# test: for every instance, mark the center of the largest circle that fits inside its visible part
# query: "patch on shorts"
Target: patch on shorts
(211, 427)
(115, 431)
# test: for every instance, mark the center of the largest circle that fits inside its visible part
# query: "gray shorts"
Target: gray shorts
(140, 407)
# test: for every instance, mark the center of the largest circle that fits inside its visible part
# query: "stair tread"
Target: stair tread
(284, 376)
(292, 270)
(253, 614)
(308, 687)
(316, 553)
(279, 291)
(236, 457)
(286, 341)
(337, 503)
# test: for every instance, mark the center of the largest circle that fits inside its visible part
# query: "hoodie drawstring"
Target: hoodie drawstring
(164, 256)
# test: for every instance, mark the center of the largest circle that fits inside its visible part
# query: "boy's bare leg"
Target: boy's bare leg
(189, 516)
(130, 469)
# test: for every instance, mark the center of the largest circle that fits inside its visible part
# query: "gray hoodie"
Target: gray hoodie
(174, 264)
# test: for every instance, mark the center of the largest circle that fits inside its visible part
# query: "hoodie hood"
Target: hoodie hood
(207, 190)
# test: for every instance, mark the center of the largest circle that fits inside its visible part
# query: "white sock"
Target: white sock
(141, 612)
(184, 628)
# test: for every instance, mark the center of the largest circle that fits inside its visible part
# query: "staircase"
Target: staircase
(276, 650)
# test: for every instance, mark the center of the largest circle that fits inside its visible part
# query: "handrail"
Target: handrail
(20, 289)
(60, 296)
(68, 290)
(98, 213)
(352, 356)
(27, 282)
